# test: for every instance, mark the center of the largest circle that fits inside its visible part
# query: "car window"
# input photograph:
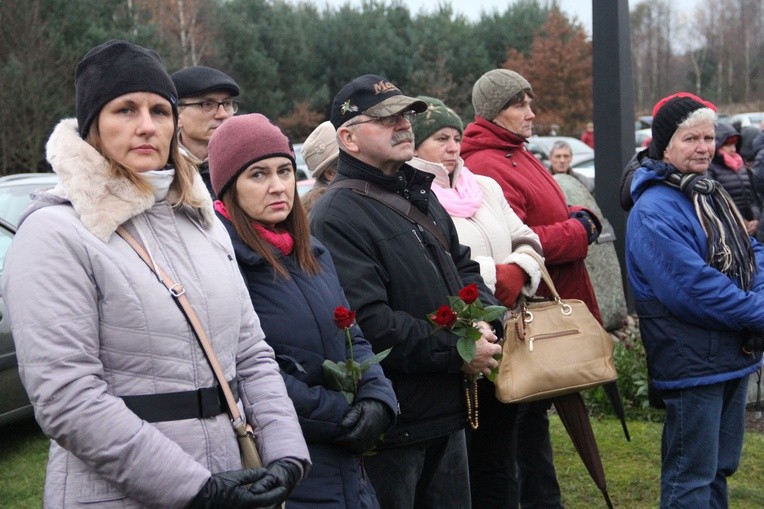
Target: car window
(5, 242)
(14, 199)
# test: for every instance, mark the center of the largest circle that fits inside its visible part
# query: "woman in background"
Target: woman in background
(499, 241)
(294, 287)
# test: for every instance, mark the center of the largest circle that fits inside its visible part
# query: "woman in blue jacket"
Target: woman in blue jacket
(295, 291)
(698, 280)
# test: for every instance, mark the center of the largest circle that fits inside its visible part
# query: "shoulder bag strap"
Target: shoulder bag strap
(395, 202)
(179, 293)
(544, 274)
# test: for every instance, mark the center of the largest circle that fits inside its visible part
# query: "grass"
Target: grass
(23, 455)
(632, 468)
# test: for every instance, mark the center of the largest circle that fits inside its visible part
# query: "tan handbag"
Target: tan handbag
(250, 457)
(552, 348)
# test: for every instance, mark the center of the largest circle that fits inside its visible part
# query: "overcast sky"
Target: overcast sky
(580, 9)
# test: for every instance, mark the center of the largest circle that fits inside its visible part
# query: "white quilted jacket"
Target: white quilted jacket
(91, 322)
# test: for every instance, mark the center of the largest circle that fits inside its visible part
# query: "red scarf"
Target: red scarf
(282, 241)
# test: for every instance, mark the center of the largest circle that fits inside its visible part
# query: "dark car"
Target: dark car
(14, 403)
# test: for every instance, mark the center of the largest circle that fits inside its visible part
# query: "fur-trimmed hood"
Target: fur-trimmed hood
(102, 200)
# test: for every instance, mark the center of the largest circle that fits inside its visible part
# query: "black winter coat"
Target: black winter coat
(393, 280)
(738, 184)
(297, 316)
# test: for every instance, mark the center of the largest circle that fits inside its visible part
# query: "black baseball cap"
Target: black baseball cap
(374, 96)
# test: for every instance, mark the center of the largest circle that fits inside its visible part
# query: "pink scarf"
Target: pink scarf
(282, 241)
(462, 199)
(733, 161)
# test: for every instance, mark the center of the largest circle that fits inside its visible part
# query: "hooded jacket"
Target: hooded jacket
(92, 323)
(738, 183)
(297, 316)
(490, 150)
(693, 318)
(392, 279)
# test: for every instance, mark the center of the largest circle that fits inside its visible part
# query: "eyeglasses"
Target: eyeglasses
(389, 121)
(211, 105)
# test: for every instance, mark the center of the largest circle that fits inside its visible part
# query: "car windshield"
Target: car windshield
(15, 198)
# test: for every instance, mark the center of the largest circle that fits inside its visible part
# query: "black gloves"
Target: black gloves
(275, 486)
(591, 224)
(365, 421)
(228, 490)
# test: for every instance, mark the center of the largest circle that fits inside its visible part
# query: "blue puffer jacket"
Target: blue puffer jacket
(297, 316)
(693, 318)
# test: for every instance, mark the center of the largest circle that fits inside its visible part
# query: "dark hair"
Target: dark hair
(518, 98)
(296, 224)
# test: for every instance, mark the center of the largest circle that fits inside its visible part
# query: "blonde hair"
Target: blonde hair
(185, 171)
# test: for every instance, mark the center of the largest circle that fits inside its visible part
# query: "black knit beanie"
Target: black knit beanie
(117, 68)
(666, 121)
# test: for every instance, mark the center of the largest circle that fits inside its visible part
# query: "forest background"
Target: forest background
(290, 58)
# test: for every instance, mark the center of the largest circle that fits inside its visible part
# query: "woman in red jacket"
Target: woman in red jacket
(494, 145)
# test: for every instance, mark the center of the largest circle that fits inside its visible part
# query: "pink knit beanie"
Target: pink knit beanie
(241, 141)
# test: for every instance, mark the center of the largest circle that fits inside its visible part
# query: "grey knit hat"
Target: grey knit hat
(493, 90)
(435, 117)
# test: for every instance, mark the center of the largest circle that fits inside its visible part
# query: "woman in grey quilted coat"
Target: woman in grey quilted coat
(116, 375)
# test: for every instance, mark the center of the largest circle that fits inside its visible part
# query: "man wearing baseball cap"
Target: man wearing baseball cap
(205, 102)
(398, 258)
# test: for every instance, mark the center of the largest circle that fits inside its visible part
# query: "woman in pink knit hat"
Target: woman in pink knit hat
(295, 290)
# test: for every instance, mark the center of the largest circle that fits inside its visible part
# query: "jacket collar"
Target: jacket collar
(409, 182)
(102, 200)
(439, 172)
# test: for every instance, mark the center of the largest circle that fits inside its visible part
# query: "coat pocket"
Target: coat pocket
(90, 488)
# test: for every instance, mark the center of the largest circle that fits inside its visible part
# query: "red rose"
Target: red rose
(343, 317)
(444, 317)
(469, 293)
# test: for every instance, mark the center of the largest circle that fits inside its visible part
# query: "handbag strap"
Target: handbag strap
(399, 204)
(179, 294)
(544, 274)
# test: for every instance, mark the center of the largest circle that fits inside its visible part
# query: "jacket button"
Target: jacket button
(422, 191)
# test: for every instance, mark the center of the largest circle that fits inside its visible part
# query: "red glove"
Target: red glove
(509, 281)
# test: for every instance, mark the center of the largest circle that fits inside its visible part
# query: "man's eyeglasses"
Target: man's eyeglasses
(210, 105)
(389, 121)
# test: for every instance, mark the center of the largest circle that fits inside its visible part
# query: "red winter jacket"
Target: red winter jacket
(491, 150)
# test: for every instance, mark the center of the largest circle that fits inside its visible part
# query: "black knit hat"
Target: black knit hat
(371, 95)
(117, 68)
(666, 121)
(199, 80)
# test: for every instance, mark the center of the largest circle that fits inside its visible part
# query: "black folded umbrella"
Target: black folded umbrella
(572, 411)
(611, 389)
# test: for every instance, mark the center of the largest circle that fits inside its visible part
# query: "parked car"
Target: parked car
(302, 168)
(303, 186)
(541, 146)
(642, 137)
(753, 118)
(14, 402)
(15, 190)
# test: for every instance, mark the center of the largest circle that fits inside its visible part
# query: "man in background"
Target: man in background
(205, 101)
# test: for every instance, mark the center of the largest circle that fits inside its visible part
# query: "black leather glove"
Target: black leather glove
(275, 486)
(591, 224)
(227, 490)
(365, 421)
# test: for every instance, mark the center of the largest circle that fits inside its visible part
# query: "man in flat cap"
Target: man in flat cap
(397, 266)
(205, 100)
